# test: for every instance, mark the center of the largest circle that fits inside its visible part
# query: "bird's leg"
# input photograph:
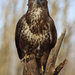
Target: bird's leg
(43, 62)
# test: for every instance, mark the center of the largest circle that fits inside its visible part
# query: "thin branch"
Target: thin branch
(50, 66)
(59, 68)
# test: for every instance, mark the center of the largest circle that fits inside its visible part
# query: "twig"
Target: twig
(59, 68)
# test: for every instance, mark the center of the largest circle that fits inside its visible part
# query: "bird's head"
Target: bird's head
(37, 3)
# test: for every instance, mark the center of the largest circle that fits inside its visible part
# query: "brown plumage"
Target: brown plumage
(36, 32)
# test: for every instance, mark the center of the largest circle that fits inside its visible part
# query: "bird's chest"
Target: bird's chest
(35, 31)
(36, 20)
(34, 38)
(34, 28)
(31, 41)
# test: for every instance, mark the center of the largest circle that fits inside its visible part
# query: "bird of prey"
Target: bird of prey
(35, 32)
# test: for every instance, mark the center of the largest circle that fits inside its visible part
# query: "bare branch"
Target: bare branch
(50, 66)
(59, 68)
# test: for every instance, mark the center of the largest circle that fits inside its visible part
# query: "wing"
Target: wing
(53, 32)
(17, 36)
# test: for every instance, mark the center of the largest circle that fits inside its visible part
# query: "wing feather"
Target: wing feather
(17, 36)
(52, 30)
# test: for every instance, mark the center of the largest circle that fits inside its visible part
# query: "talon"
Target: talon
(43, 71)
(22, 59)
(39, 73)
(29, 57)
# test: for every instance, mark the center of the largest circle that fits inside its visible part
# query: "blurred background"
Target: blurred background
(63, 13)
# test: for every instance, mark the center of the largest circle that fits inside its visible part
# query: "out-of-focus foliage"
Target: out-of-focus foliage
(62, 11)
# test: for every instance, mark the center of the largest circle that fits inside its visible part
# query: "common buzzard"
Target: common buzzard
(36, 32)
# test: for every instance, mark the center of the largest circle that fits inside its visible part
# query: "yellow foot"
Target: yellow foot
(25, 57)
(42, 69)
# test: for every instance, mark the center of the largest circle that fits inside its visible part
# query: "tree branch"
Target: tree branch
(58, 69)
(50, 66)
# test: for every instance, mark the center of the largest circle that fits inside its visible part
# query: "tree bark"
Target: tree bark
(31, 66)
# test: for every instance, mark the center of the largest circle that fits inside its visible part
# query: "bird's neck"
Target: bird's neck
(36, 15)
